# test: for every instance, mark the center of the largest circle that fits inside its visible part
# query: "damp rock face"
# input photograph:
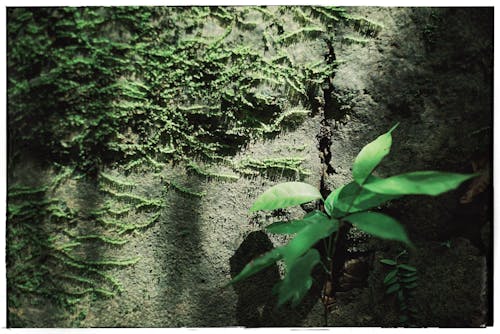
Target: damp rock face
(419, 72)
(141, 220)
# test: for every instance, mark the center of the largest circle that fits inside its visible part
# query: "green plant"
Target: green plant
(345, 205)
(402, 281)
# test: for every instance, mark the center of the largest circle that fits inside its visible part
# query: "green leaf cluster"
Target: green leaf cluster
(401, 281)
(347, 204)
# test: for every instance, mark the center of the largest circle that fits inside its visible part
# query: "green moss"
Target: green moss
(44, 252)
(106, 93)
(250, 166)
(108, 240)
(140, 87)
(210, 174)
(116, 182)
(184, 190)
(355, 40)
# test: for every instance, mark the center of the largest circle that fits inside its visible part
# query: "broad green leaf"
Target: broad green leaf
(298, 278)
(353, 198)
(307, 237)
(388, 262)
(295, 226)
(417, 183)
(379, 225)
(407, 267)
(285, 195)
(287, 227)
(390, 276)
(258, 264)
(371, 155)
(316, 230)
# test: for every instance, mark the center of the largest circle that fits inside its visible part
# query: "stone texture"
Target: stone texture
(436, 83)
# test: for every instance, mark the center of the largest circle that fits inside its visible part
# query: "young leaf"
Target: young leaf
(417, 183)
(298, 278)
(390, 276)
(391, 281)
(285, 195)
(353, 198)
(307, 237)
(295, 226)
(407, 267)
(388, 262)
(411, 285)
(371, 155)
(409, 279)
(379, 225)
(393, 288)
(258, 264)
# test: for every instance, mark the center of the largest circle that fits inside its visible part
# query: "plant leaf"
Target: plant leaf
(409, 279)
(391, 281)
(294, 226)
(284, 195)
(379, 225)
(393, 288)
(315, 230)
(411, 286)
(407, 267)
(388, 262)
(330, 201)
(353, 198)
(287, 227)
(390, 276)
(371, 155)
(417, 183)
(258, 264)
(298, 278)
(307, 237)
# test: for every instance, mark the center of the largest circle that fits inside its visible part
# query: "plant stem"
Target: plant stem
(332, 246)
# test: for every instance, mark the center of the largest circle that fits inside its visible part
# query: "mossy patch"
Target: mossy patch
(138, 88)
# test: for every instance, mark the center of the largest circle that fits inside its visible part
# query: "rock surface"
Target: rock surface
(428, 69)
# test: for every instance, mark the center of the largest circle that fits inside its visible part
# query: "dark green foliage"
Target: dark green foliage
(401, 281)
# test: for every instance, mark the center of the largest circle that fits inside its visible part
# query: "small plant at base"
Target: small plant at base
(402, 281)
(345, 205)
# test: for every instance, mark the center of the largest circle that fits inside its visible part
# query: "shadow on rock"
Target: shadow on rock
(257, 304)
